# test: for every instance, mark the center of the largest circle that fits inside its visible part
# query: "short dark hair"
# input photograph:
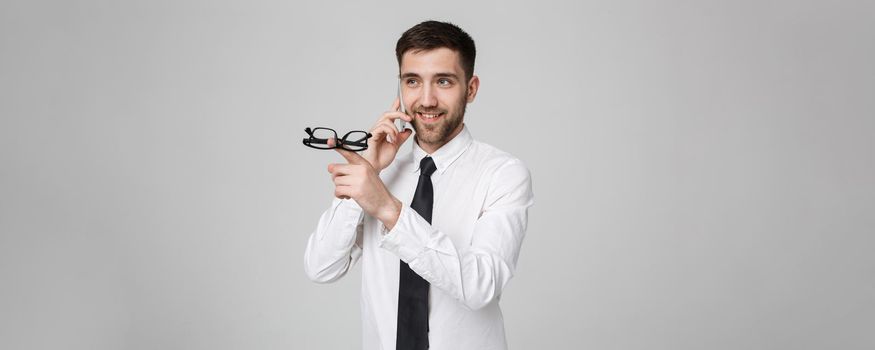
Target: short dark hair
(431, 35)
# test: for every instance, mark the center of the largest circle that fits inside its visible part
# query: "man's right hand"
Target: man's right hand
(386, 139)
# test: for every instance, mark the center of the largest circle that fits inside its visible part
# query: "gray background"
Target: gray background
(703, 171)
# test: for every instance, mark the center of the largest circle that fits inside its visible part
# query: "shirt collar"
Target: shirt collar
(445, 155)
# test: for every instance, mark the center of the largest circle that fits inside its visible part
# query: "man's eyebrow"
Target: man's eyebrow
(447, 75)
(437, 75)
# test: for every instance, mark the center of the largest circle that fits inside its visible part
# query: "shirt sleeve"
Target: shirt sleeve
(476, 274)
(335, 246)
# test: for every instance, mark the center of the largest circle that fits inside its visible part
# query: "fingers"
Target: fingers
(348, 171)
(388, 119)
(347, 179)
(352, 157)
(342, 192)
(339, 169)
(384, 130)
(393, 114)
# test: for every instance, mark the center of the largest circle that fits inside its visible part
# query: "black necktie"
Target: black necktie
(412, 289)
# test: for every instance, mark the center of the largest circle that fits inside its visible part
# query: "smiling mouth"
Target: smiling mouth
(429, 117)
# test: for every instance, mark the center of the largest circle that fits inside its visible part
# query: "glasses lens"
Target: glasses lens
(321, 137)
(355, 141)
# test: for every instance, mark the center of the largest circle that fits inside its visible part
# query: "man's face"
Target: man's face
(435, 93)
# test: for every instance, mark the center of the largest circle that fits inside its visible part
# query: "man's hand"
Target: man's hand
(386, 139)
(359, 180)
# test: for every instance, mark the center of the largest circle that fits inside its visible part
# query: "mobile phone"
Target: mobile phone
(400, 123)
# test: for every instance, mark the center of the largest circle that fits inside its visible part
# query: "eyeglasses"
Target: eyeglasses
(353, 141)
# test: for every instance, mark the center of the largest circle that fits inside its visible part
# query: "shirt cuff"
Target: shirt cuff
(408, 239)
(348, 210)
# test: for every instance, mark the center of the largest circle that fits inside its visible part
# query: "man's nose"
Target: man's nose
(428, 99)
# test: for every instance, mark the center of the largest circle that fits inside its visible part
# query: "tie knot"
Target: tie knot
(427, 167)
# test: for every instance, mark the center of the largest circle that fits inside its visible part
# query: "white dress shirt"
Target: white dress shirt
(468, 253)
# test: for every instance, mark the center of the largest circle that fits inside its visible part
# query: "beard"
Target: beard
(439, 133)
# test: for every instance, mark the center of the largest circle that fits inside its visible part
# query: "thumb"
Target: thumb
(403, 136)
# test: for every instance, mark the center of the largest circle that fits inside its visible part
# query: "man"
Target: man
(432, 272)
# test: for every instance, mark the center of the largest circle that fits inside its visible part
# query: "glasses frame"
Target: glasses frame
(343, 142)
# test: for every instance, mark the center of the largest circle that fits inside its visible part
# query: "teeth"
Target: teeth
(429, 116)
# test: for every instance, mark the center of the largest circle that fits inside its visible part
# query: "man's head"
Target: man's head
(436, 67)
(430, 35)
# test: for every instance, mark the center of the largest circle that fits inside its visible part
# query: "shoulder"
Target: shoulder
(493, 160)
(502, 171)
(506, 177)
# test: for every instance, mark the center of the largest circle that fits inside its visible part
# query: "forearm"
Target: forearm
(390, 212)
(475, 275)
(331, 248)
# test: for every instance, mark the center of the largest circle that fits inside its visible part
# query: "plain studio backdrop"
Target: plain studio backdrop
(703, 171)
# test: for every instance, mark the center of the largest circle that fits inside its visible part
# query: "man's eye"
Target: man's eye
(412, 82)
(444, 82)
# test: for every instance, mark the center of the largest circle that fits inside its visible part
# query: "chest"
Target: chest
(459, 198)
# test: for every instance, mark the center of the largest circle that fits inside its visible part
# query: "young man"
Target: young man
(433, 271)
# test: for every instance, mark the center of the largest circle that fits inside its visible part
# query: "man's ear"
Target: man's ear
(473, 85)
